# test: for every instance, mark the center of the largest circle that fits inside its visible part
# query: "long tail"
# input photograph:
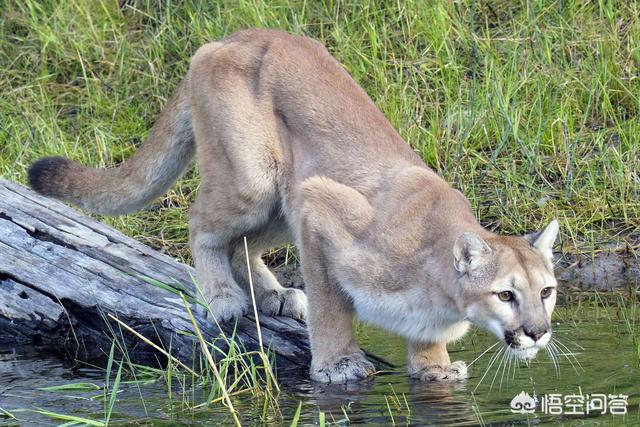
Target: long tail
(135, 183)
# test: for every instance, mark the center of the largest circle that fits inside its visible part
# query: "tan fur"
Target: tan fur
(290, 148)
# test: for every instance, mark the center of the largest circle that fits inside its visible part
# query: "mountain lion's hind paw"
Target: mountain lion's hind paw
(285, 302)
(457, 371)
(227, 305)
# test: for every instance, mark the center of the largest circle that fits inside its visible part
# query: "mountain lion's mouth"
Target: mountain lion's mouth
(523, 346)
(524, 354)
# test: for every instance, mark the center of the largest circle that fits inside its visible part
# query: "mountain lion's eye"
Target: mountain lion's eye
(546, 292)
(505, 296)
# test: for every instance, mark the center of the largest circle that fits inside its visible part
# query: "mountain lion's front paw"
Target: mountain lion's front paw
(227, 304)
(455, 372)
(285, 302)
(348, 368)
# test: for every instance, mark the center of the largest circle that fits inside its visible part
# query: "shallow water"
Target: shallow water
(605, 351)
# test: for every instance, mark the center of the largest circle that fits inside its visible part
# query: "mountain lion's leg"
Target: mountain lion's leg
(271, 297)
(209, 238)
(225, 211)
(238, 153)
(336, 357)
(430, 362)
(331, 215)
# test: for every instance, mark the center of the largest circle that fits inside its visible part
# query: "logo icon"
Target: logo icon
(522, 403)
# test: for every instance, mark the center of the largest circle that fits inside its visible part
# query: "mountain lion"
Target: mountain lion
(291, 149)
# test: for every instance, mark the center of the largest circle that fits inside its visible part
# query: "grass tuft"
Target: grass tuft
(530, 108)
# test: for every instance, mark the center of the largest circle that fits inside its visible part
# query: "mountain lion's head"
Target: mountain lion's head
(507, 285)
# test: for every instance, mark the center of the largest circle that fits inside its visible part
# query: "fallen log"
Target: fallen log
(63, 274)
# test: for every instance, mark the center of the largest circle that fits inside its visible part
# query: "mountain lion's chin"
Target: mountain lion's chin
(525, 354)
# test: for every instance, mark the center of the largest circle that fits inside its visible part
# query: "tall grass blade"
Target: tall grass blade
(81, 387)
(296, 415)
(71, 418)
(114, 394)
(212, 363)
(152, 344)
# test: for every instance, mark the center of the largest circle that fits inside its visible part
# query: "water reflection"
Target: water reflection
(608, 358)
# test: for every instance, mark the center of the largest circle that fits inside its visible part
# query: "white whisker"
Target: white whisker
(551, 356)
(571, 342)
(560, 352)
(516, 366)
(482, 354)
(510, 363)
(491, 362)
(567, 353)
(509, 355)
(556, 359)
(502, 359)
(568, 350)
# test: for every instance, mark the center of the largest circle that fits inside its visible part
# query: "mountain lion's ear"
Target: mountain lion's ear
(544, 240)
(470, 252)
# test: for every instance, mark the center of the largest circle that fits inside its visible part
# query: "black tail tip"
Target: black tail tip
(44, 174)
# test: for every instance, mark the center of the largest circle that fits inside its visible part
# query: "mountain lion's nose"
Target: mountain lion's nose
(535, 335)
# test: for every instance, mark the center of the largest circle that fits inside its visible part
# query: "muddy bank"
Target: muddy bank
(614, 267)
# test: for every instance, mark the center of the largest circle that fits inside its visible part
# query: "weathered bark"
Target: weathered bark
(62, 273)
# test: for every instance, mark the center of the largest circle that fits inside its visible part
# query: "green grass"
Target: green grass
(529, 107)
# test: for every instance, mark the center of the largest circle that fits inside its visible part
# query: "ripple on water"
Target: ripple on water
(606, 354)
